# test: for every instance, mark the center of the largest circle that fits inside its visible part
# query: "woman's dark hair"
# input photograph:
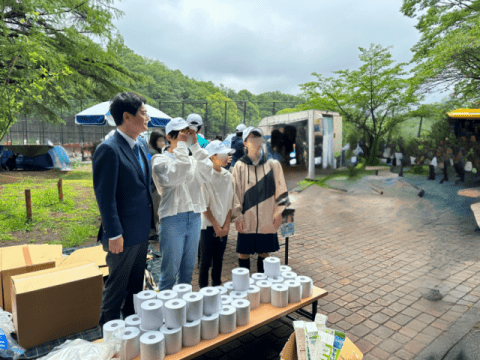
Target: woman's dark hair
(154, 136)
(219, 137)
(174, 134)
(125, 102)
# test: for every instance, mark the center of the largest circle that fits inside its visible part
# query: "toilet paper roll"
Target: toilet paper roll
(136, 307)
(229, 286)
(258, 277)
(143, 331)
(253, 295)
(226, 299)
(133, 321)
(265, 291)
(294, 291)
(191, 333)
(272, 266)
(175, 313)
(288, 275)
(173, 339)
(152, 314)
(240, 279)
(227, 319)
(166, 295)
(152, 346)
(238, 295)
(182, 289)
(210, 326)
(113, 328)
(276, 280)
(194, 302)
(130, 345)
(223, 290)
(279, 295)
(307, 285)
(144, 296)
(284, 268)
(243, 311)
(211, 300)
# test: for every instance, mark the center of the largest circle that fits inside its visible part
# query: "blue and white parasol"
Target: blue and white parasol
(99, 115)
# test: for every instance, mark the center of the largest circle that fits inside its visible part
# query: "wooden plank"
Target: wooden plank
(473, 193)
(259, 317)
(476, 211)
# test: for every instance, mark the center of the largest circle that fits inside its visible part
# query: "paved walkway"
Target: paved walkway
(379, 256)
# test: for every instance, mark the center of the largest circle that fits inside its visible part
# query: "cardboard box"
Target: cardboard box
(349, 350)
(17, 260)
(93, 254)
(54, 303)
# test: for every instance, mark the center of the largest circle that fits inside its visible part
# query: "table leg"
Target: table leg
(286, 250)
(314, 309)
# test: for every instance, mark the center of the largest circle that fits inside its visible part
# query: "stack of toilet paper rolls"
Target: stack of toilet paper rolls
(170, 319)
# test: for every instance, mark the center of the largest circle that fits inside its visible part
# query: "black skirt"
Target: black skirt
(257, 243)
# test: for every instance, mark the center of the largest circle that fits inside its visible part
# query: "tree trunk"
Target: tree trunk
(420, 126)
(372, 156)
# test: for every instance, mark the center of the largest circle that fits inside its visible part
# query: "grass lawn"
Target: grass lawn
(71, 222)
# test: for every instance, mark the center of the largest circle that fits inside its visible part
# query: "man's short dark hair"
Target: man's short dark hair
(128, 102)
(239, 134)
(199, 127)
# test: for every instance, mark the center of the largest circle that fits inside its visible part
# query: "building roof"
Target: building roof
(465, 114)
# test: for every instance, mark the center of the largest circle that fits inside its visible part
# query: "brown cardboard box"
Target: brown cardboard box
(54, 303)
(17, 260)
(93, 254)
(349, 350)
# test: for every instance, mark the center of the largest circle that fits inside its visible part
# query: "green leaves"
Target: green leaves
(373, 98)
(47, 57)
(448, 53)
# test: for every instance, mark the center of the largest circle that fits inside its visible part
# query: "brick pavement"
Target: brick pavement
(376, 256)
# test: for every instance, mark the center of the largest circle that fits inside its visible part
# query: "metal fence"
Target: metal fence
(29, 130)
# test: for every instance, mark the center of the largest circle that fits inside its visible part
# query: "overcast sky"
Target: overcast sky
(264, 45)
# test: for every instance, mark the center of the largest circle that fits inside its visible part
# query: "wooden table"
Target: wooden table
(259, 317)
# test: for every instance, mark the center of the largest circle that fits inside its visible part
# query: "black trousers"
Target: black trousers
(126, 273)
(212, 250)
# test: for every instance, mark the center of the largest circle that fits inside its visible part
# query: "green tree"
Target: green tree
(47, 56)
(374, 98)
(216, 114)
(448, 52)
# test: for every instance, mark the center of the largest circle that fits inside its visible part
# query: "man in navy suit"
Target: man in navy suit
(121, 180)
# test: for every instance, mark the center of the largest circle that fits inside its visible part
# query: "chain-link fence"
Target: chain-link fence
(30, 130)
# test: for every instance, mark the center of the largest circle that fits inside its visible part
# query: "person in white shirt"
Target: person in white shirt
(216, 219)
(178, 178)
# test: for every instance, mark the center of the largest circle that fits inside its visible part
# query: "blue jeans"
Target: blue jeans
(179, 237)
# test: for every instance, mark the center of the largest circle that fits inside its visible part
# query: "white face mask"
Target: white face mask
(189, 140)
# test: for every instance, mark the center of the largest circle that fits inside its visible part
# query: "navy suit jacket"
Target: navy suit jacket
(123, 193)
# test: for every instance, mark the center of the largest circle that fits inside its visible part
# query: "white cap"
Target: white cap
(176, 124)
(218, 147)
(249, 129)
(194, 119)
(241, 128)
